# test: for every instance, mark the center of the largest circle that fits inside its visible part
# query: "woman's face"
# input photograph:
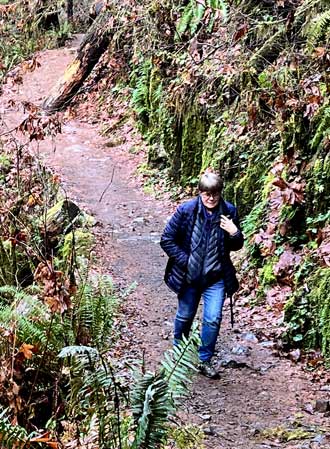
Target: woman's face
(210, 199)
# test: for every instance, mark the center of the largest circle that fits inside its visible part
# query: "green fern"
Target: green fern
(11, 437)
(156, 396)
(28, 315)
(317, 29)
(151, 408)
(97, 394)
(193, 15)
(178, 363)
(186, 18)
(140, 95)
(307, 5)
(323, 126)
(198, 14)
(95, 308)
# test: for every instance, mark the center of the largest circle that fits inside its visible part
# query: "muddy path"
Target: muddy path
(257, 390)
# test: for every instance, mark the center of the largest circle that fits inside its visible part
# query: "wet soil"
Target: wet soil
(257, 389)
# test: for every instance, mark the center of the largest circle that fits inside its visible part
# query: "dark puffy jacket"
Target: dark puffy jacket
(175, 241)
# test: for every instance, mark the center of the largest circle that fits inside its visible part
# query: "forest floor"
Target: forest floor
(262, 399)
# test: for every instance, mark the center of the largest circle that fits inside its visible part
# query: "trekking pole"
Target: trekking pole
(231, 311)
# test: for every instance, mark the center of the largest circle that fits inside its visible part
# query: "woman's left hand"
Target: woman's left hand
(228, 225)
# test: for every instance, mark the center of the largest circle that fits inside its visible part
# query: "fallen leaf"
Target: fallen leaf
(26, 349)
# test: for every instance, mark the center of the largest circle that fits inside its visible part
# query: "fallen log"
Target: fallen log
(91, 49)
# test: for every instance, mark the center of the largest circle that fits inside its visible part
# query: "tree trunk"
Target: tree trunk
(69, 10)
(92, 47)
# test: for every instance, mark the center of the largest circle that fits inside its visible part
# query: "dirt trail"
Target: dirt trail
(257, 390)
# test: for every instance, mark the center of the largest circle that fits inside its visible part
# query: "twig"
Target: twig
(109, 184)
(8, 132)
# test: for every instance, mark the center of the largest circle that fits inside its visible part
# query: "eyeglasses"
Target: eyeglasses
(215, 195)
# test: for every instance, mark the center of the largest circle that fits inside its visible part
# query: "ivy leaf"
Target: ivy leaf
(298, 337)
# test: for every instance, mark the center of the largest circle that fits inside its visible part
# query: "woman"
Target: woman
(198, 239)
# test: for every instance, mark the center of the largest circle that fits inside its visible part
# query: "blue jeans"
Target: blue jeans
(189, 299)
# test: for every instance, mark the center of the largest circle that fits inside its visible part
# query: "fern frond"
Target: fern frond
(198, 14)
(156, 396)
(151, 407)
(11, 437)
(323, 126)
(28, 315)
(94, 388)
(306, 13)
(185, 19)
(194, 12)
(73, 351)
(140, 95)
(217, 6)
(317, 28)
(179, 362)
(94, 312)
(307, 5)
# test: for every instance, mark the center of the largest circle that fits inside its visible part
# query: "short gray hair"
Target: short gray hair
(210, 182)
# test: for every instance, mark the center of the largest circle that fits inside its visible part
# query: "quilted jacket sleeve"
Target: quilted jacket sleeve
(236, 241)
(172, 237)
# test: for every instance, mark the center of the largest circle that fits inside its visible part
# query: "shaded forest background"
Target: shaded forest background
(238, 86)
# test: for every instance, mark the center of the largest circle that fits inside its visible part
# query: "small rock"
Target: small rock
(240, 350)
(231, 363)
(321, 405)
(320, 438)
(295, 355)
(308, 408)
(267, 344)
(210, 431)
(264, 368)
(206, 417)
(140, 220)
(249, 336)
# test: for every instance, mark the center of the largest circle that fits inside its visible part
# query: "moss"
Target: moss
(267, 277)
(60, 216)
(194, 132)
(85, 220)
(210, 146)
(82, 241)
(318, 186)
(284, 434)
(308, 314)
(247, 189)
(319, 296)
(187, 437)
(269, 50)
(254, 220)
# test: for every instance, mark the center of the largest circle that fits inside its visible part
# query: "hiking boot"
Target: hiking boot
(208, 370)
